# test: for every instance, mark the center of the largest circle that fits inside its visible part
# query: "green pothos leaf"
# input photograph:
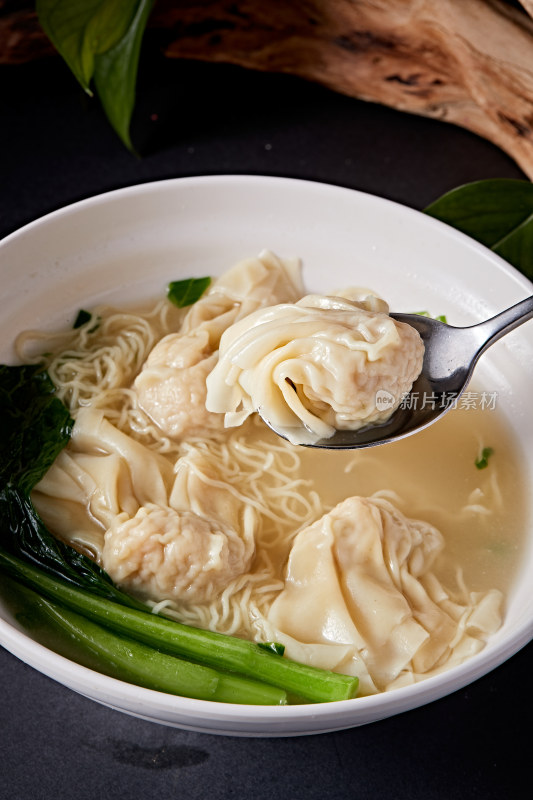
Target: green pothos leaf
(115, 73)
(100, 40)
(497, 212)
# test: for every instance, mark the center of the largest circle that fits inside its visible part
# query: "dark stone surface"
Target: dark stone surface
(194, 119)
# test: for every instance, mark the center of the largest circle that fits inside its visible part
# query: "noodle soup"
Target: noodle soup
(154, 499)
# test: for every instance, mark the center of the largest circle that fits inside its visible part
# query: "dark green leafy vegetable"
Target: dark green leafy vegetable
(23, 533)
(132, 661)
(34, 427)
(100, 40)
(483, 461)
(213, 649)
(497, 212)
(186, 292)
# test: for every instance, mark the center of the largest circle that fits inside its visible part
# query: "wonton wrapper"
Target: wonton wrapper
(359, 581)
(162, 554)
(316, 366)
(171, 387)
(190, 550)
(101, 473)
(161, 533)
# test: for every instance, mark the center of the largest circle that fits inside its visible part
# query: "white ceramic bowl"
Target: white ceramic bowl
(128, 244)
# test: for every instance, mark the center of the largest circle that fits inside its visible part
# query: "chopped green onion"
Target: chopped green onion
(82, 317)
(440, 318)
(273, 647)
(185, 293)
(483, 461)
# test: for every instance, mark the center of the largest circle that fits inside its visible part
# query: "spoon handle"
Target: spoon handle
(494, 328)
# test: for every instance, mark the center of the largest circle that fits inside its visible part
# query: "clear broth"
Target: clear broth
(482, 513)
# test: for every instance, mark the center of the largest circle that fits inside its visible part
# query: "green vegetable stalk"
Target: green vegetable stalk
(134, 662)
(213, 649)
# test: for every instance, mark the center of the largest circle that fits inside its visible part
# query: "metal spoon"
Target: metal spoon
(450, 357)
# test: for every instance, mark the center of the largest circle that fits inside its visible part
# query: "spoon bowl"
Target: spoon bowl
(450, 356)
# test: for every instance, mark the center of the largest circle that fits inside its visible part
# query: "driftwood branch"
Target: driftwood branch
(469, 62)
